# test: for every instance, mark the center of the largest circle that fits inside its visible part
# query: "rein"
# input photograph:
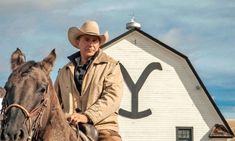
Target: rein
(36, 113)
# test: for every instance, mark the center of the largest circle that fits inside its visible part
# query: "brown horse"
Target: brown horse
(2, 92)
(31, 108)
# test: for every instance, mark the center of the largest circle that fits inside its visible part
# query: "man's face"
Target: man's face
(88, 45)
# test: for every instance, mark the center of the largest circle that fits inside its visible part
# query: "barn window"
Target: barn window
(184, 134)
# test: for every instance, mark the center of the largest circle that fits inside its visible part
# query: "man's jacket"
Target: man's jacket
(101, 91)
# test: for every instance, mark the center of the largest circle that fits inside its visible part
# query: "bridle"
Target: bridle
(37, 112)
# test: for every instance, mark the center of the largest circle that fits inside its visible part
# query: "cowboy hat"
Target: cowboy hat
(88, 28)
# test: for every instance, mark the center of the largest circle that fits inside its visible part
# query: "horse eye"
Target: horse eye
(42, 89)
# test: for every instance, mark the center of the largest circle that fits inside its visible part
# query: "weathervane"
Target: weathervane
(133, 24)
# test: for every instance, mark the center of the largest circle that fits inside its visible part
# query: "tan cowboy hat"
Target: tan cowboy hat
(88, 28)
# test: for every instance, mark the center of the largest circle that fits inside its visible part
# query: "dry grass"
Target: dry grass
(231, 123)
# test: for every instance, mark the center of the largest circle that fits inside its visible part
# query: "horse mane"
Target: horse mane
(54, 98)
(27, 67)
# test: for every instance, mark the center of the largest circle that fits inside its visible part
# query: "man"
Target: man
(90, 86)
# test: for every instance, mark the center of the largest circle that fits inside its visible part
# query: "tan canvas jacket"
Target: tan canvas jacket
(101, 93)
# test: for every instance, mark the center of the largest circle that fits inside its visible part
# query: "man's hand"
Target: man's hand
(76, 118)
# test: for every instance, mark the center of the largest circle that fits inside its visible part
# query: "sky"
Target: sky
(203, 30)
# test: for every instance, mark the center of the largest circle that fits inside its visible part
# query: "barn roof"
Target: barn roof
(187, 60)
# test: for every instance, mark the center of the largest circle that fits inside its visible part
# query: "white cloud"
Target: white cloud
(173, 37)
(37, 4)
(216, 66)
(202, 31)
(176, 37)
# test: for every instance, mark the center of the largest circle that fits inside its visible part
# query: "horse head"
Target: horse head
(26, 104)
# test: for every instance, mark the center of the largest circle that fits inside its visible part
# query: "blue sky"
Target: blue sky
(202, 30)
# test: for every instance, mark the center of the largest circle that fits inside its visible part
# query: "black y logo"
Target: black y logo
(135, 88)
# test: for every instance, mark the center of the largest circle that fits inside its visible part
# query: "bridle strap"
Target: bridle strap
(28, 115)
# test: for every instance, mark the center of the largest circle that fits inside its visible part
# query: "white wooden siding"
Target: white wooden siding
(171, 94)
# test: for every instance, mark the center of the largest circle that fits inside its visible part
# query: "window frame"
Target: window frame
(184, 128)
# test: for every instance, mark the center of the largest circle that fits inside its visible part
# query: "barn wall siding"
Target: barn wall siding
(173, 94)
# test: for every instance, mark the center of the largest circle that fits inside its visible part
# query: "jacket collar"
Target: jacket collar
(100, 57)
(73, 57)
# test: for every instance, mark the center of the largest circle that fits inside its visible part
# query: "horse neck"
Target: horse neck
(56, 113)
(57, 122)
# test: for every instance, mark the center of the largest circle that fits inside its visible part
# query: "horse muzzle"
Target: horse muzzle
(9, 133)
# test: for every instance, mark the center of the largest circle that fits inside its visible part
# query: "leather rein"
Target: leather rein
(37, 112)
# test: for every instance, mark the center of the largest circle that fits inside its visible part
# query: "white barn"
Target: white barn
(164, 98)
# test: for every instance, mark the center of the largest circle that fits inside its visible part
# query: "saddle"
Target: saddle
(87, 132)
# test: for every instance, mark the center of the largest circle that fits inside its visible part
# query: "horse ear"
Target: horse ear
(17, 58)
(48, 62)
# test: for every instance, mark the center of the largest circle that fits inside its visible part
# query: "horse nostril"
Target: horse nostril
(19, 135)
(4, 136)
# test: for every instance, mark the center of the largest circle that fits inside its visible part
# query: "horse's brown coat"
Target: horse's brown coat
(28, 85)
(2, 92)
